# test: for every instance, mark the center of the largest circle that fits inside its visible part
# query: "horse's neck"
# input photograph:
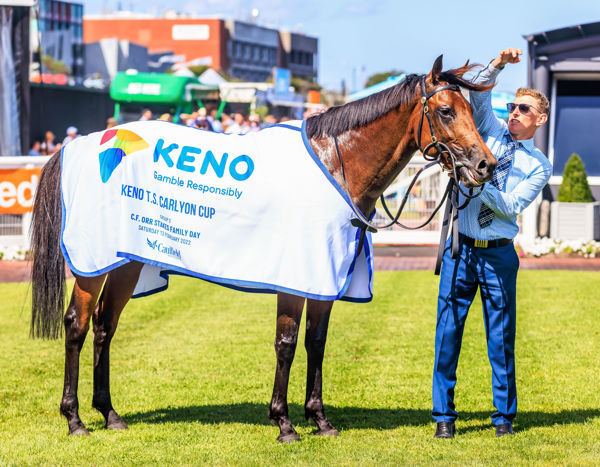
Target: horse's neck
(372, 156)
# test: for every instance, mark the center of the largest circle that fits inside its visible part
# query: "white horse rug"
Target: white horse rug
(257, 212)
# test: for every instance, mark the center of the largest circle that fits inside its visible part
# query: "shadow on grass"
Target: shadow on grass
(350, 417)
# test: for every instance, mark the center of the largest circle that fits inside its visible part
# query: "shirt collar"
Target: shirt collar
(526, 144)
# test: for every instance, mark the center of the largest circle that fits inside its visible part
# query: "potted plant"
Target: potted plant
(575, 215)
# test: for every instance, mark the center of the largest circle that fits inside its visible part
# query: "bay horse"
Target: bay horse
(377, 137)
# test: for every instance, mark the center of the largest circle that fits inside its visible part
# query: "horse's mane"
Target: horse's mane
(337, 120)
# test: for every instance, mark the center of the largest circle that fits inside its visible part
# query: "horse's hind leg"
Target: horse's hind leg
(118, 289)
(317, 321)
(289, 313)
(77, 322)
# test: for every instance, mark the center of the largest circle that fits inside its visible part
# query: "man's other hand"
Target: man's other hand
(505, 56)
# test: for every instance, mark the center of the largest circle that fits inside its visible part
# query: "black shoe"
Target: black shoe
(504, 429)
(445, 430)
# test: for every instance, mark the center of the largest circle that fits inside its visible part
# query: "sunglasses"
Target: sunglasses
(523, 108)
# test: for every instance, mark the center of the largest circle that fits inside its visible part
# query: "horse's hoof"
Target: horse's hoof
(289, 438)
(115, 422)
(117, 425)
(328, 432)
(79, 431)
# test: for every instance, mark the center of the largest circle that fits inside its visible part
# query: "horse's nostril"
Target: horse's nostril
(482, 166)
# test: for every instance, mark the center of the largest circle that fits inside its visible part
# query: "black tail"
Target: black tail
(48, 271)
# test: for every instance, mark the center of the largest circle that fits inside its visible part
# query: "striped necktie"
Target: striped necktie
(486, 215)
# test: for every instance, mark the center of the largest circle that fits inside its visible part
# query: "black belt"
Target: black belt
(484, 243)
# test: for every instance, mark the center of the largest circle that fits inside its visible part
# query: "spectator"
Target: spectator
(226, 122)
(146, 115)
(239, 125)
(47, 146)
(214, 121)
(254, 123)
(166, 117)
(35, 149)
(111, 122)
(203, 124)
(270, 120)
(71, 135)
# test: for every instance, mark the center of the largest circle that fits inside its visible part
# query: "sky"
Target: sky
(360, 38)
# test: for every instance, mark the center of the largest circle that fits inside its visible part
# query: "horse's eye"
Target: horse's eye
(446, 111)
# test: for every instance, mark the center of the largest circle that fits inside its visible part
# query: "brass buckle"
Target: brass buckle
(481, 243)
(433, 139)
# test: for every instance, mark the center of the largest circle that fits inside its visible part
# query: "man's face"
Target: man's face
(522, 125)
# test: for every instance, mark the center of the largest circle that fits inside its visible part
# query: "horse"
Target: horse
(363, 144)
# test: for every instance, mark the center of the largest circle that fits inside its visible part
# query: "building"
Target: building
(565, 65)
(60, 39)
(103, 59)
(251, 50)
(299, 53)
(242, 50)
(199, 40)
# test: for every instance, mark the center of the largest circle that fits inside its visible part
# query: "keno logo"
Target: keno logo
(126, 142)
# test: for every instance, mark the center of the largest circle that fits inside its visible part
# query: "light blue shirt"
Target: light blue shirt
(529, 173)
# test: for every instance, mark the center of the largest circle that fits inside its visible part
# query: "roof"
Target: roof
(569, 33)
(388, 83)
(157, 88)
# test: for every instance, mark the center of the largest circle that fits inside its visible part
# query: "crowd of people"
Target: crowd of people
(49, 144)
(236, 123)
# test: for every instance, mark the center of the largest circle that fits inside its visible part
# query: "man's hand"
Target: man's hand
(507, 56)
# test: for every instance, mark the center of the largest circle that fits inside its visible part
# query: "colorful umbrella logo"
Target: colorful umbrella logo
(126, 142)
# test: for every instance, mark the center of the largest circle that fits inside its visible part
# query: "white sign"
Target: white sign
(152, 89)
(190, 32)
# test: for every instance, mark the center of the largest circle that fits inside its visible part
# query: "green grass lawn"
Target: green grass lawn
(193, 367)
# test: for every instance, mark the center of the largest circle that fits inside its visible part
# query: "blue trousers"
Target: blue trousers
(494, 271)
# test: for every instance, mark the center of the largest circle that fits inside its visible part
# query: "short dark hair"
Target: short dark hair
(544, 104)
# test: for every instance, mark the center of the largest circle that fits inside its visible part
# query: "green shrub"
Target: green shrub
(574, 187)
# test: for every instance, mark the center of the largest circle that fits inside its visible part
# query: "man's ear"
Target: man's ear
(543, 118)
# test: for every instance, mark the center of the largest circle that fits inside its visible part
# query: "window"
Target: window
(576, 124)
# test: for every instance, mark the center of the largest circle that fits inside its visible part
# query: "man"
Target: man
(71, 135)
(487, 258)
(146, 115)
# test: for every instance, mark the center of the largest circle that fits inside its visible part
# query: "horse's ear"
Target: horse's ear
(434, 74)
(467, 63)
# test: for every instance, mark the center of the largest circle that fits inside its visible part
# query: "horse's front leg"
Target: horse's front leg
(317, 321)
(289, 313)
(119, 287)
(77, 322)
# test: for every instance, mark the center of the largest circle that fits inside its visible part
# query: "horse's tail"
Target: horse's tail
(48, 271)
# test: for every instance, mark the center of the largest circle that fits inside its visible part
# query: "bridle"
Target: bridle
(451, 192)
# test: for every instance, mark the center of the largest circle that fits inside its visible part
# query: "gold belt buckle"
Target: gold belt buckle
(481, 243)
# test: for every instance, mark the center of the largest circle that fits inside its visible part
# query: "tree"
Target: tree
(379, 77)
(574, 187)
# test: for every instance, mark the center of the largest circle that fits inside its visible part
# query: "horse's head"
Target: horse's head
(445, 112)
